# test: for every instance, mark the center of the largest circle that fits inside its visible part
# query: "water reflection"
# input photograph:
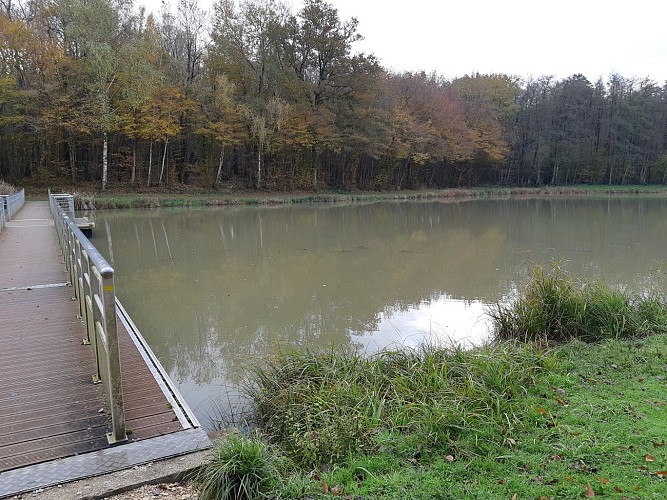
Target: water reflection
(444, 320)
(216, 290)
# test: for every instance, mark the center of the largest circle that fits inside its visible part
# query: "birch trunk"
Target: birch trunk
(72, 161)
(134, 163)
(105, 161)
(219, 173)
(150, 164)
(164, 157)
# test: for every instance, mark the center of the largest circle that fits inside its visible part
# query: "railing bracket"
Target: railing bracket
(111, 439)
(85, 342)
(96, 380)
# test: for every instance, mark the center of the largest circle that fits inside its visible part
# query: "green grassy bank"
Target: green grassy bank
(199, 198)
(545, 412)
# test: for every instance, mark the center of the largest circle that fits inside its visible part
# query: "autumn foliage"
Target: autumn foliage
(263, 97)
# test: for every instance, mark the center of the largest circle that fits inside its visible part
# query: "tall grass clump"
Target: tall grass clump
(6, 188)
(555, 307)
(239, 468)
(322, 408)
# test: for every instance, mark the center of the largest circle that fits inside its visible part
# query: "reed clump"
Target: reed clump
(239, 468)
(555, 307)
(322, 408)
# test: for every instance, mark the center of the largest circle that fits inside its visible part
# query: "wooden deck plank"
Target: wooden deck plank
(49, 406)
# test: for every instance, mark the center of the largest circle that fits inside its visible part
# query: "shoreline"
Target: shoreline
(97, 200)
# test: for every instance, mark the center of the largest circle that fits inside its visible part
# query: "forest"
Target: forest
(255, 96)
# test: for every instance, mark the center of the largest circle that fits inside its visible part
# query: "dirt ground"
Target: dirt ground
(170, 491)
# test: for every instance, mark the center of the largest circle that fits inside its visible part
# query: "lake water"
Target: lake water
(215, 291)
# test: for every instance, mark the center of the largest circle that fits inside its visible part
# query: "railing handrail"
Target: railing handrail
(93, 281)
(11, 203)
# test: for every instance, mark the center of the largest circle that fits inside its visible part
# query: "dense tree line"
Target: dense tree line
(96, 90)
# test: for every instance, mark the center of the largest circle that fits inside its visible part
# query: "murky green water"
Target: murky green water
(217, 290)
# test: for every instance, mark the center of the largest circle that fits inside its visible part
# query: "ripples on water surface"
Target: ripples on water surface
(216, 290)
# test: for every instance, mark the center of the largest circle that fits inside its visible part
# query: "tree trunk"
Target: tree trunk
(72, 161)
(105, 161)
(554, 173)
(150, 164)
(164, 157)
(219, 173)
(259, 168)
(315, 168)
(134, 162)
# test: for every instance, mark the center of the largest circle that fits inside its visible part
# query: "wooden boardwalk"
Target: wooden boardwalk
(49, 406)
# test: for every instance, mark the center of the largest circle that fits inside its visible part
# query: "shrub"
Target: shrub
(239, 468)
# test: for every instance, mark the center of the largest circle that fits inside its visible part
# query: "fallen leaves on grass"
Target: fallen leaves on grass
(589, 491)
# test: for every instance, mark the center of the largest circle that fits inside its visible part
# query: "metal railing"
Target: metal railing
(10, 204)
(93, 281)
(2, 216)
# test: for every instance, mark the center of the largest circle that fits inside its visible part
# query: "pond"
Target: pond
(215, 291)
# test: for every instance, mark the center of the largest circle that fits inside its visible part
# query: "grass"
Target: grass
(556, 307)
(576, 416)
(322, 408)
(196, 197)
(6, 188)
(240, 468)
(579, 416)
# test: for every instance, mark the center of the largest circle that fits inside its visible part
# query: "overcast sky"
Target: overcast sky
(518, 37)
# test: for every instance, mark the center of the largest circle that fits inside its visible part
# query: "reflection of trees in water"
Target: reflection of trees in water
(214, 290)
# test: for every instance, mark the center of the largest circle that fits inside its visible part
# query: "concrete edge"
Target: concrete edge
(164, 471)
(101, 463)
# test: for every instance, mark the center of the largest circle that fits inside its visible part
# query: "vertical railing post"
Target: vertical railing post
(115, 379)
(86, 302)
(3, 207)
(70, 207)
(69, 240)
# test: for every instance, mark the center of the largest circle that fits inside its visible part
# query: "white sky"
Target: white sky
(519, 37)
